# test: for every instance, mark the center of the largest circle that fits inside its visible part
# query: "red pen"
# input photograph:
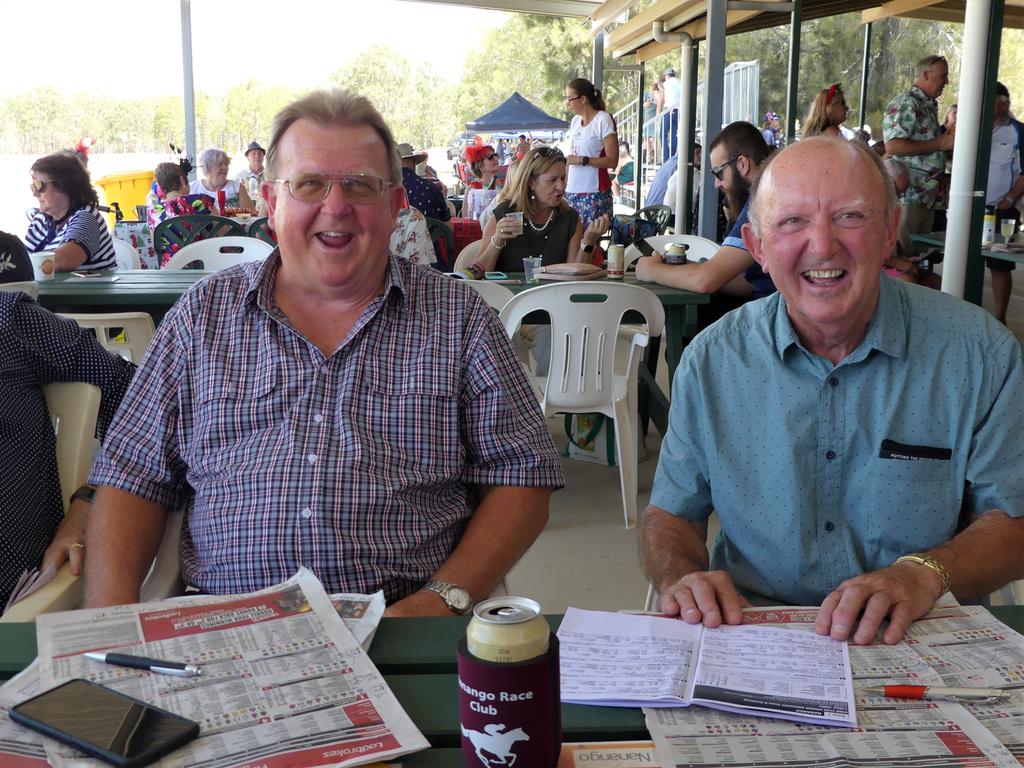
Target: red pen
(937, 693)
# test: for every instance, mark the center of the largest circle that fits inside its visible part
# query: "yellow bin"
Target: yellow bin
(127, 190)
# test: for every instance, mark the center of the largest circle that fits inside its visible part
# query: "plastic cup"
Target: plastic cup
(43, 265)
(1006, 228)
(517, 218)
(530, 266)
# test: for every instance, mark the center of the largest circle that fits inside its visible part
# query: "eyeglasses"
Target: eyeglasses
(570, 100)
(491, 156)
(38, 186)
(718, 170)
(358, 188)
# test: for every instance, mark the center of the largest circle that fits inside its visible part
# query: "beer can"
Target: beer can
(616, 261)
(508, 629)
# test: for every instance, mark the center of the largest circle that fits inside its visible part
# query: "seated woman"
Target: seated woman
(827, 113)
(68, 222)
(37, 348)
(624, 174)
(483, 164)
(550, 229)
(214, 164)
(171, 198)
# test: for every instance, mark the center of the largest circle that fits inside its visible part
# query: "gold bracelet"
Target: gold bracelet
(928, 562)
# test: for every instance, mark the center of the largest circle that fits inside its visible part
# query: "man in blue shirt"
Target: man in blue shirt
(860, 439)
(426, 195)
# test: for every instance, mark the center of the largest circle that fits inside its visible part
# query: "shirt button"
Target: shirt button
(308, 513)
(834, 381)
(829, 526)
(311, 458)
(828, 455)
(317, 418)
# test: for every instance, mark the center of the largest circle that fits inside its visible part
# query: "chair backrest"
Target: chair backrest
(121, 333)
(451, 208)
(495, 294)
(260, 229)
(220, 253)
(585, 318)
(660, 215)
(164, 578)
(125, 256)
(31, 287)
(701, 249)
(444, 243)
(182, 230)
(468, 256)
(74, 407)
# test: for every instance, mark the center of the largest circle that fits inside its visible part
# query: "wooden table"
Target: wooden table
(417, 658)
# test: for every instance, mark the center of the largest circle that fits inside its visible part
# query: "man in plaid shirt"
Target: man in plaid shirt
(332, 407)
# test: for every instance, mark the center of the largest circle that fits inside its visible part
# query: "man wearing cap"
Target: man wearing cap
(670, 122)
(771, 129)
(254, 154)
(425, 195)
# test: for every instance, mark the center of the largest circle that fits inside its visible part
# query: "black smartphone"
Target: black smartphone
(106, 724)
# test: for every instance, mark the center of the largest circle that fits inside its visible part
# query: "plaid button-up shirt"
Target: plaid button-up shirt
(361, 466)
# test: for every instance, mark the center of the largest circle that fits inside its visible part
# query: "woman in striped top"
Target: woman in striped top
(68, 222)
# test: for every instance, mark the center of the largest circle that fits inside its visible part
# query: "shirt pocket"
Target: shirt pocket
(914, 504)
(410, 417)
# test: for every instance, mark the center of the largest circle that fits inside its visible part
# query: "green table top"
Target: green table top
(938, 239)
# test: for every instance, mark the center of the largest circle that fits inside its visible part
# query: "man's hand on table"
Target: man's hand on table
(902, 593)
(422, 603)
(703, 596)
(645, 266)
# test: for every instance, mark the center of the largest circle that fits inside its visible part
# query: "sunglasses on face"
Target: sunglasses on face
(38, 186)
(718, 170)
(358, 188)
(491, 156)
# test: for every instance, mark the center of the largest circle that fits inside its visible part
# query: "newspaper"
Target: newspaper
(284, 681)
(20, 747)
(616, 659)
(950, 646)
(31, 579)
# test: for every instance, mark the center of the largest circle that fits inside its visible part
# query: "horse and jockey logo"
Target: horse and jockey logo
(496, 742)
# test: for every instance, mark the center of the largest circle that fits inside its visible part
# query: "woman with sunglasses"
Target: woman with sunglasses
(550, 228)
(594, 152)
(828, 112)
(484, 163)
(68, 222)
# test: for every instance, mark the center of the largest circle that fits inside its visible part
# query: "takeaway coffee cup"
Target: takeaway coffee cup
(43, 265)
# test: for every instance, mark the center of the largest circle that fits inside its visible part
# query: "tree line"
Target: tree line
(534, 55)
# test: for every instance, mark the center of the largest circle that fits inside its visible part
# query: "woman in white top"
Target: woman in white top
(594, 150)
(215, 163)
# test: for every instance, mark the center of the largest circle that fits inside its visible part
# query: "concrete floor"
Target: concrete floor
(586, 557)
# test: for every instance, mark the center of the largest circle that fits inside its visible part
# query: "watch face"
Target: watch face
(458, 599)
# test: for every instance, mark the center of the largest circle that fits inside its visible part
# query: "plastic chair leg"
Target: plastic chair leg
(626, 455)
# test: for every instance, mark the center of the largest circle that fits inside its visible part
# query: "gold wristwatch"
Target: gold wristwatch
(928, 562)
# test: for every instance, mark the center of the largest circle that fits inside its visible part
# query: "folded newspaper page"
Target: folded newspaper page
(619, 659)
(284, 681)
(951, 646)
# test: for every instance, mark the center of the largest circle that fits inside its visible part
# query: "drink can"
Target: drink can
(616, 261)
(507, 629)
(676, 253)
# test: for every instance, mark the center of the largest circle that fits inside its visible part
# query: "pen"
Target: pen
(937, 693)
(176, 668)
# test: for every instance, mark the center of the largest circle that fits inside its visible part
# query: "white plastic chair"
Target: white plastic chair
(122, 333)
(495, 294)
(126, 256)
(701, 249)
(74, 407)
(467, 256)
(582, 376)
(31, 287)
(218, 253)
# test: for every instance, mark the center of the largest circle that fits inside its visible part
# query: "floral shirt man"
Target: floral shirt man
(915, 115)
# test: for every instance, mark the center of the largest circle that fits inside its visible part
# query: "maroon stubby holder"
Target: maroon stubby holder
(510, 712)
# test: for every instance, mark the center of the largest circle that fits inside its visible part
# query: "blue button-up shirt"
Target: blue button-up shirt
(791, 451)
(362, 465)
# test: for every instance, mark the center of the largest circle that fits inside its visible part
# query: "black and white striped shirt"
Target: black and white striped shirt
(84, 226)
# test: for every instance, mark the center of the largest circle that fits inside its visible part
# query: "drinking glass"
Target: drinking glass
(1007, 227)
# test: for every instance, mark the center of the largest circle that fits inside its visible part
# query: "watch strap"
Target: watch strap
(443, 590)
(928, 562)
(85, 493)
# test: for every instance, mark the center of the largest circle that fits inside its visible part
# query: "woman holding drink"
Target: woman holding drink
(535, 219)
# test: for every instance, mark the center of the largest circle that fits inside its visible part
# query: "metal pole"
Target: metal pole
(691, 100)
(186, 65)
(963, 268)
(714, 68)
(598, 64)
(794, 71)
(865, 67)
(641, 145)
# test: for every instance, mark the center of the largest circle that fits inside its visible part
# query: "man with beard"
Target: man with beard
(732, 276)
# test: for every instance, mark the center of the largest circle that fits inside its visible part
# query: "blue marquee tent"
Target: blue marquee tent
(516, 114)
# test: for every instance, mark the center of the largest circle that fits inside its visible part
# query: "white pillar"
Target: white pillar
(965, 148)
(186, 65)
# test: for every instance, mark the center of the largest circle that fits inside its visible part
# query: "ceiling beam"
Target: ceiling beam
(894, 8)
(697, 29)
(607, 13)
(569, 8)
(639, 27)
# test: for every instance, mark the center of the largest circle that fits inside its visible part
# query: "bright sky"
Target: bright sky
(132, 47)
